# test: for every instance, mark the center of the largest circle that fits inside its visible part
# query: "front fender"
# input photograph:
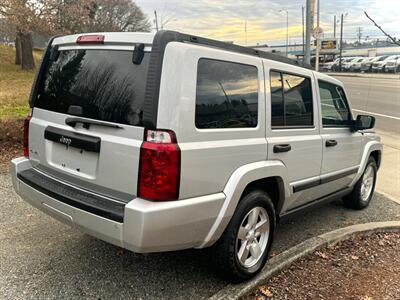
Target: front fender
(368, 149)
(235, 186)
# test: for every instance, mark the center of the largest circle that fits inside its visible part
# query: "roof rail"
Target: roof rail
(177, 36)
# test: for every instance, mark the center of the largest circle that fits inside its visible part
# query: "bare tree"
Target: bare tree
(26, 16)
(116, 15)
(65, 17)
(393, 39)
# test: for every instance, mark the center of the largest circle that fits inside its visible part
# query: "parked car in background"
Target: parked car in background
(379, 65)
(328, 66)
(366, 64)
(335, 65)
(346, 63)
(355, 64)
(392, 64)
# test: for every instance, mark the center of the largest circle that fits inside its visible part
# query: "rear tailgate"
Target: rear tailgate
(86, 126)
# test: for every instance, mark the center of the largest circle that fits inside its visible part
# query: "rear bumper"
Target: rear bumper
(146, 227)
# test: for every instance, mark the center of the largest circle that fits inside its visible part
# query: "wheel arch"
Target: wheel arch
(265, 175)
(374, 149)
(377, 155)
(273, 186)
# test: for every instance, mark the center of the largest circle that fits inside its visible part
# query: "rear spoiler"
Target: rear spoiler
(40, 72)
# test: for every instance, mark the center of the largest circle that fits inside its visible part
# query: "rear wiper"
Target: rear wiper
(86, 123)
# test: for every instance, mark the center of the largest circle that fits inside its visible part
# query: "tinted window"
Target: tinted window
(226, 95)
(334, 109)
(277, 109)
(291, 100)
(106, 84)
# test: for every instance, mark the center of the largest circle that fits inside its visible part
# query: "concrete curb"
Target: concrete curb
(360, 75)
(284, 259)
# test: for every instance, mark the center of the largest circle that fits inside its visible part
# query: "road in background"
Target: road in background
(381, 98)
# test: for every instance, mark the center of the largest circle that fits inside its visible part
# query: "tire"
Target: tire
(226, 250)
(362, 194)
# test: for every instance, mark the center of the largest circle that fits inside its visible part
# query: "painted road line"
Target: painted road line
(376, 114)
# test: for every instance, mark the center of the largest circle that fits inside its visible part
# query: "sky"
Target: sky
(225, 19)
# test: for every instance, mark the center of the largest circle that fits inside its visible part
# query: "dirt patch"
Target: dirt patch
(11, 137)
(366, 267)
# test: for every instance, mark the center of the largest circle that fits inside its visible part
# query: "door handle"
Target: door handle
(282, 148)
(330, 143)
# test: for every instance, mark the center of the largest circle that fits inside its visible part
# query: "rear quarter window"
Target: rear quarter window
(226, 95)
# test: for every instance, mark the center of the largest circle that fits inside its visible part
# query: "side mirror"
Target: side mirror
(364, 122)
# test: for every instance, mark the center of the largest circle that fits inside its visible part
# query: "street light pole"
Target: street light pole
(287, 30)
(341, 43)
(302, 22)
(307, 54)
(318, 40)
(334, 26)
(287, 33)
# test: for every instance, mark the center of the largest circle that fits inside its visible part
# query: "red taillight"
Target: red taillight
(90, 39)
(26, 136)
(159, 166)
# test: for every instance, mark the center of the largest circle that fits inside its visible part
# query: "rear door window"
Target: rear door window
(291, 100)
(104, 83)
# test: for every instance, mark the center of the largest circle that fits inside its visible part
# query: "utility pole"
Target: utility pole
(245, 31)
(287, 30)
(302, 22)
(287, 33)
(341, 43)
(156, 19)
(307, 56)
(359, 34)
(334, 26)
(318, 39)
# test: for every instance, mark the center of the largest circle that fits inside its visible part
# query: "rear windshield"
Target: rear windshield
(104, 83)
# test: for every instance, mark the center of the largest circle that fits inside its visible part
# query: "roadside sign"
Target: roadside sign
(317, 33)
(329, 46)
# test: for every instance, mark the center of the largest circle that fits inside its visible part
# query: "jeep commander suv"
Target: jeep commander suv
(171, 141)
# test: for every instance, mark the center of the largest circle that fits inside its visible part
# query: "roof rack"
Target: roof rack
(182, 37)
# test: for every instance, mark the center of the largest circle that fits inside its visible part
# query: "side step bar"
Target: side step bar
(319, 202)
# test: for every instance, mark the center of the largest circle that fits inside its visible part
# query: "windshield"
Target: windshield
(104, 83)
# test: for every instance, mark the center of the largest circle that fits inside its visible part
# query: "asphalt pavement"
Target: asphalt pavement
(41, 258)
(377, 96)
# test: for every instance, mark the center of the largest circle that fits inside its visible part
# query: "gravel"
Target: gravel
(41, 258)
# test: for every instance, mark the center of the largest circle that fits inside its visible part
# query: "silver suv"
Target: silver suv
(171, 141)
